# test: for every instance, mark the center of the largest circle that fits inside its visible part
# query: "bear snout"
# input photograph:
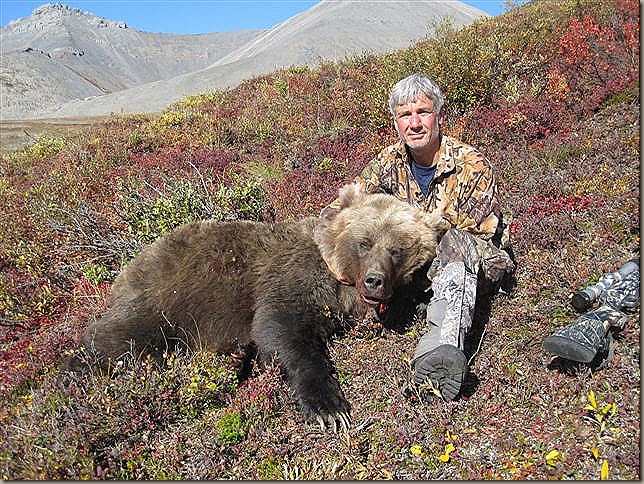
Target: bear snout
(374, 288)
(374, 281)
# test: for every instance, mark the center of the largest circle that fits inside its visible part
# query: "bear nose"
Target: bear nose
(374, 281)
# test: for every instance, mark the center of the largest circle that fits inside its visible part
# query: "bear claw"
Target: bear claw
(342, 417)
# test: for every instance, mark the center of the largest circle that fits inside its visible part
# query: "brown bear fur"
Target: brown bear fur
(220, 286)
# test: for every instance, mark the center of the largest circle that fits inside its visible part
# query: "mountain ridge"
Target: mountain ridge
(59, 54)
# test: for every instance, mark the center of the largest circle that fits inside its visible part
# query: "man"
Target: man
(438, 173)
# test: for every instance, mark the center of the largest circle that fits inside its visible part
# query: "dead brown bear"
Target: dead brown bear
(220, 286)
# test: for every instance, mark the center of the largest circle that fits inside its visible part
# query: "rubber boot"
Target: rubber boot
(439, 360)
(586, 335)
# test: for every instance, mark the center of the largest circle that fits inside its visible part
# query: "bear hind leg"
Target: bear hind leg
(114, 338)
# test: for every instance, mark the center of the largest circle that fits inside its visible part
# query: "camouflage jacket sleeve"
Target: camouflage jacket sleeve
(471, 201)
(372, 179)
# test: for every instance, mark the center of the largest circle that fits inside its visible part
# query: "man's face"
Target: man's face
(417, 123)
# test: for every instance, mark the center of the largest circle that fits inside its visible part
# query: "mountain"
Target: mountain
(330, 30)
(59, 53)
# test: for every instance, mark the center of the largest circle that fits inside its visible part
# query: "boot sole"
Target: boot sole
(566, 348)
(445, 366)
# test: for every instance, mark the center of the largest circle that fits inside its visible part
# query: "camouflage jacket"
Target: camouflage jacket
(463, 189)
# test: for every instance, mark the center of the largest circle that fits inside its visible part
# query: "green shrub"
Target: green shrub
(96, 272)
(149, 215)
(232, 429)
(201, 101)
(244, 198)
(170, 119)
(269, 469)
(207, 379)
(47, 146)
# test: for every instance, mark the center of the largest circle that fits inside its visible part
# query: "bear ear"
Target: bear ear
(328, 213)
(436, 222)
(348, 194)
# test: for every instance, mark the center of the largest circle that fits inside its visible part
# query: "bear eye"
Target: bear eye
(364, 245)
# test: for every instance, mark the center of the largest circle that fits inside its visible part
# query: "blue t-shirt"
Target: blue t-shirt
(423, 175)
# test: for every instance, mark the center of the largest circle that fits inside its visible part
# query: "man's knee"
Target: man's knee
(477, 254)
(458, 246)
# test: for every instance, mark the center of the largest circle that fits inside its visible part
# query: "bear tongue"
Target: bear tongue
(378, 305)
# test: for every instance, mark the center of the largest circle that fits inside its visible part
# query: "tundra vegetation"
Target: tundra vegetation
(549, 91)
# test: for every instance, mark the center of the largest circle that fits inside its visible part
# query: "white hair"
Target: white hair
(409, 88)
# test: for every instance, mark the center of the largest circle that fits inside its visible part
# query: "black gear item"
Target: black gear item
(619, 289)
(584, 337)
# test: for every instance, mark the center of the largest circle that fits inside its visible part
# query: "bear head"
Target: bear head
(376, 242)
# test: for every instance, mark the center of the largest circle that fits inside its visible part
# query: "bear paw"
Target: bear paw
(330, 411)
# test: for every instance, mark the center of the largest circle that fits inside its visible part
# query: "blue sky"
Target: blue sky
(193, 16)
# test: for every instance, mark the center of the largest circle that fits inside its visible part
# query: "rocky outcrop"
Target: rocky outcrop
(59, 54)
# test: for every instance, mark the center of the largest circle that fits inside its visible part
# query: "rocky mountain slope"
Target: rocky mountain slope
(59, 53)
(122, 68)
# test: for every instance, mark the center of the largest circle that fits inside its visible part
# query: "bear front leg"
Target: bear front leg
(304, 355)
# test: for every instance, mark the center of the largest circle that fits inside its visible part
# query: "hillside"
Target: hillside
(548, 91)
(330, 30)
(59, 53)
